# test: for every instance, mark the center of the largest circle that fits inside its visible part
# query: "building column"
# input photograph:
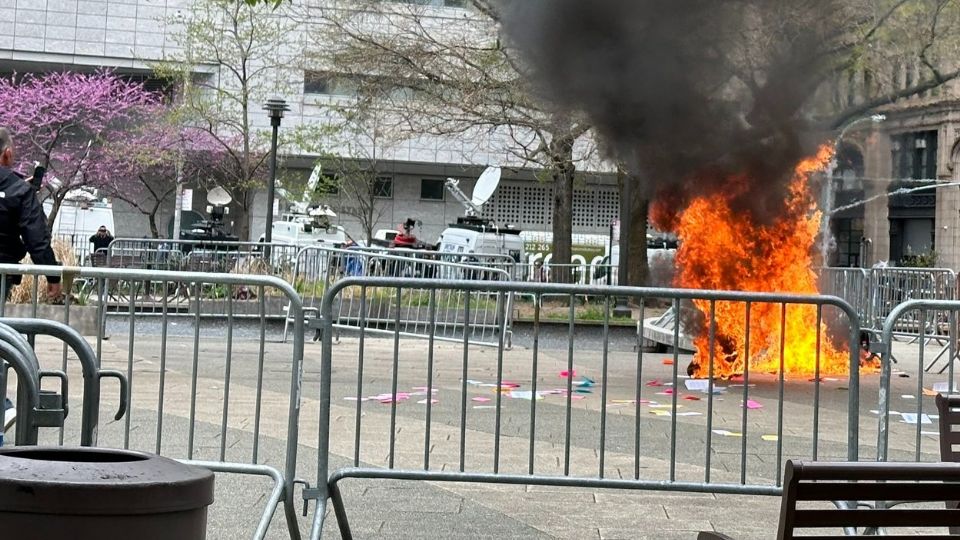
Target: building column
(877, 172)
(947, 234)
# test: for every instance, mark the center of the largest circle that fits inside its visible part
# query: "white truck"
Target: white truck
(660, 259)
(306, 230)
(472, 235)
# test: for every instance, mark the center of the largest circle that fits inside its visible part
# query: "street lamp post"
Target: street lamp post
(826, 203)
(276, 108)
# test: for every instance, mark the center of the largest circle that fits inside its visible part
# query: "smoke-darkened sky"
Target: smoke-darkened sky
(657, 80)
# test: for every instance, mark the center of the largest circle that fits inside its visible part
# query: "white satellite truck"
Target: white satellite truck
(306, 224)
(473, 235)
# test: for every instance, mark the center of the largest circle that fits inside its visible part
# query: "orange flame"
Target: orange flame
(724, 250)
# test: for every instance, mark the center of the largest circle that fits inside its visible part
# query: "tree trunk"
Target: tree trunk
(563, 172)
(152, 219)
(638, 267)
(240, 214)
(241, 223)
(57, 199)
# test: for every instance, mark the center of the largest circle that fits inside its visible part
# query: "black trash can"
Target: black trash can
(98, 493)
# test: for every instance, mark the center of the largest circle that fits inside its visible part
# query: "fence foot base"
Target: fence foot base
(336, 498)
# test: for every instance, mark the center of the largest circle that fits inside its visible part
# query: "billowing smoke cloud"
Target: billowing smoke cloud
(662, 81)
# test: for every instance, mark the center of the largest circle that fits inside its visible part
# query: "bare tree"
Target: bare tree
(353, 147)
(453, 77)
(245, 53)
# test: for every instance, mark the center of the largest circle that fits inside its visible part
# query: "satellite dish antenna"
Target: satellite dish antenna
(482, 191)
(486, 185)
(219, 197)
(323, 211)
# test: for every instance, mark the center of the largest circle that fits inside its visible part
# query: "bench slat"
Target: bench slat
(900, 491)
(876, 518)
(876, 471)
(887, 537)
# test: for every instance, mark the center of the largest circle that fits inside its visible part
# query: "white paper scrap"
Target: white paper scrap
(911, 418)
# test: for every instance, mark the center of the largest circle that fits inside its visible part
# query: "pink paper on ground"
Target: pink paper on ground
(481, 399)
(751, 404)
(564, 374)
(654, 382)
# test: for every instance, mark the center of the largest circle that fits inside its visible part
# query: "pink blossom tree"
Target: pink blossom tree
(153, 157)
(68, 122)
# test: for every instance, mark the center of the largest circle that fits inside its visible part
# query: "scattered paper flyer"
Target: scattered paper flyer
(725, 433)
(703, 385)
(770, 438)
(911, 418)
(942, 387)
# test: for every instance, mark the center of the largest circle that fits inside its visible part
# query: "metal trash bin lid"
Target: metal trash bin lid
(98, 481)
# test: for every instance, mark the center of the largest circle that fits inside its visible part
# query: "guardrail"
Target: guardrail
(182, 400)
(921, 312)
(875, 292)
(479, 316)
(595, 461)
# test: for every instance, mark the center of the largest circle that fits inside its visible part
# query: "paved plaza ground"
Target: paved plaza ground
(388, 509)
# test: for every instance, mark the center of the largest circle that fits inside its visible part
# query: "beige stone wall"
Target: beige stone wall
(948, 227)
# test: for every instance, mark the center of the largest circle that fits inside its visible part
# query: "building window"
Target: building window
(330, 84)
(383, 187)
(849, 237)
(329, 184)
(431, 189)
(915, 155)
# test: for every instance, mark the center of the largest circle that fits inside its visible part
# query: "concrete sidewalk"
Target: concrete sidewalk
(384, 509)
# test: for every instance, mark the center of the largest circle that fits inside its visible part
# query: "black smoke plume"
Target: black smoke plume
(684, 92)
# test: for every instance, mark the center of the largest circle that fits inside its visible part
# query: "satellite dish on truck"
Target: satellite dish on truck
(219, 197)
(482, 191)
(486, 185)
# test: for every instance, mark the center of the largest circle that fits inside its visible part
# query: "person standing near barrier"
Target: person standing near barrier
(101, 240)
(23, 228)
(23, 225)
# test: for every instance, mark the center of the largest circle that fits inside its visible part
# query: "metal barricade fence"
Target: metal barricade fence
(482, 317)
(90, 370)
(480, 419)
(580, 273)
(193, 256)
(851, 284)
(890, 287)
(926, 385)
(201, 256)
(515, 269)
(191, 392)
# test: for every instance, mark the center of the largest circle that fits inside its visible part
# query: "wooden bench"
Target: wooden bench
(949, 409)
(839, 485)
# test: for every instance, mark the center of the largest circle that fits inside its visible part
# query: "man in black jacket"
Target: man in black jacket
(23, 225)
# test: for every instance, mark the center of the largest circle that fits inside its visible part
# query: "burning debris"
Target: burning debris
(734, 251)
(704, 102)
